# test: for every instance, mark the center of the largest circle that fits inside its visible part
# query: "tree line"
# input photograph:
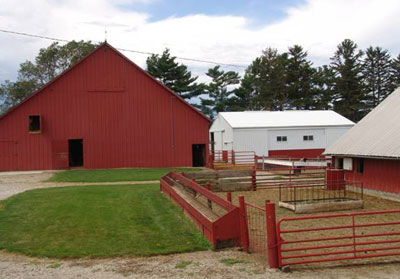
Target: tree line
(352, 84)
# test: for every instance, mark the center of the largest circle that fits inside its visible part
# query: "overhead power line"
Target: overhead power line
(124, 49)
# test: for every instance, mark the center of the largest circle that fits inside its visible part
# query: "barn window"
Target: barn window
(34, 124)
(281, 138)
(360, 165)
(308, 138)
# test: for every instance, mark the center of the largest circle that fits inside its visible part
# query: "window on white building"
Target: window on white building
(308, 138)
(281, 138)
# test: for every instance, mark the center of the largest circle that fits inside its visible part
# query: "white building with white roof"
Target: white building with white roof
(294, 134)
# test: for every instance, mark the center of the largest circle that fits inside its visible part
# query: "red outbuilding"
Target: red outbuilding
(370, 151)
(104, 112)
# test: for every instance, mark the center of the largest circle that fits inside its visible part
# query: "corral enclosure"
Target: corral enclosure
(370, 234)
(300, 190)
(385, 233)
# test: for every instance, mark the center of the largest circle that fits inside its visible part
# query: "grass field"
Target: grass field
(113, 175)
(96, 221)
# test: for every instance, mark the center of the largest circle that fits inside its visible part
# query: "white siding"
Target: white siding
(223, 134)
(334, 133)
(251, 140)
(261, 140)
(295, 139)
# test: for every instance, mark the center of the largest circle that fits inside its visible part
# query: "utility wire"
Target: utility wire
(123, 49)
(32, 35)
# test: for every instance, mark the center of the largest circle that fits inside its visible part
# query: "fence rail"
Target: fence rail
(221, 159)
(265, 162)
(230, 158)
(278, 177)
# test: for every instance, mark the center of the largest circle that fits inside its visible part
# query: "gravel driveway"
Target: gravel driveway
(12, 183)
(207, 264)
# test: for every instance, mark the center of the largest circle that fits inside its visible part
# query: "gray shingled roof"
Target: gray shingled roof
(376, 135)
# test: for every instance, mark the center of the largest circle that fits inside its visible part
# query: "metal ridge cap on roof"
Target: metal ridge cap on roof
(362, 156)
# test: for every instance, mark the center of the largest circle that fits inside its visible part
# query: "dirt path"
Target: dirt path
(12, 183)
(206, 264)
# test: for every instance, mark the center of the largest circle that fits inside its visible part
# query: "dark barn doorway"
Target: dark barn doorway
(199, 155)
(75, 152)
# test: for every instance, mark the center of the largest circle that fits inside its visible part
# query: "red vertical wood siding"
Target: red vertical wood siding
(379, 174)
(125, 118)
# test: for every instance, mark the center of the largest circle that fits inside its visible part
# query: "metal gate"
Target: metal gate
(256, 223)
(338, 237)
(259, 230)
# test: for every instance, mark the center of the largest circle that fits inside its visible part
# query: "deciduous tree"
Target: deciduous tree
(49, 63)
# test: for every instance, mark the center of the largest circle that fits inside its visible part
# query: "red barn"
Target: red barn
(370, 151)
(104, 112)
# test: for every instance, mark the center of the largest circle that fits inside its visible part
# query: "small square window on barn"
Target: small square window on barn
(34, 124)
(360, 165)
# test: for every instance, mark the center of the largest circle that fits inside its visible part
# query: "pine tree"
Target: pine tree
(175, 76)
(244, 97)
(377, 73)
(218, 91)
(349, 97)
(269, 80)
(300, 74)
(395, 79)
(323, 85)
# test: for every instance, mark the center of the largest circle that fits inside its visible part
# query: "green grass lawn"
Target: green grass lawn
(96, 221)
(113, 175)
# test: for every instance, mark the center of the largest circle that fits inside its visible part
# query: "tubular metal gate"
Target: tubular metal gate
(338, 237)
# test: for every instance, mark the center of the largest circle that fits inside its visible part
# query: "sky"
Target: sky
(233, 32)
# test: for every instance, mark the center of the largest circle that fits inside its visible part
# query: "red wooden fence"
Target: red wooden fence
(224, 231)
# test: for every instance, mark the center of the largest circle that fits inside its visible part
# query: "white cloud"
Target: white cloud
(318, 25)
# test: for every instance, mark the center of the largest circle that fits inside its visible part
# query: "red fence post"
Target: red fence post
(253, 179)
(229, 197)
(272, 241)
(244, 231)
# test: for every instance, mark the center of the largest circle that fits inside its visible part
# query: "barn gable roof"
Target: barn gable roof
(283, 119)
(101, 46)
(377, 135)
